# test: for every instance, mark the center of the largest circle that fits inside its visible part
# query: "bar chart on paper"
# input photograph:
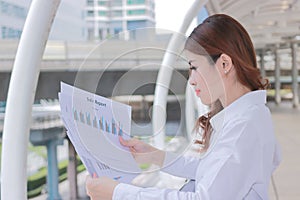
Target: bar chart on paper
(109, 126)
(95, 123)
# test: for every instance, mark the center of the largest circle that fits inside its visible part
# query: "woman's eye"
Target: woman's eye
(191, 69)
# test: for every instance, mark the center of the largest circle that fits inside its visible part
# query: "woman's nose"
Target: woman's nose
(192, 81)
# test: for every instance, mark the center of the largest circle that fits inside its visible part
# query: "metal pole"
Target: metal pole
(277, 76)
(21, 96)
(72, 172)
(165, 74)
(52, 174)
(262, 63)
(295, 85)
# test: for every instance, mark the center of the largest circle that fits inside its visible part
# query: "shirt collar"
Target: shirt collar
(238, 106)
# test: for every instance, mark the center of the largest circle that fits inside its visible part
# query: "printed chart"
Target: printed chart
(94, 125)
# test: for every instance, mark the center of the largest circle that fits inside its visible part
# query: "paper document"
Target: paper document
(94, 124)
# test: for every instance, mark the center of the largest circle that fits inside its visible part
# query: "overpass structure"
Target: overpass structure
(117, 67)
(135, 60)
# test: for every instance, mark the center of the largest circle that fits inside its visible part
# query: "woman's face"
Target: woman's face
(205, 78)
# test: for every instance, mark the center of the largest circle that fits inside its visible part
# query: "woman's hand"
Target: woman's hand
(100, 188)
(143, 152)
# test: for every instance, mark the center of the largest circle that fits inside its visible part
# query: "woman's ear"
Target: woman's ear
(226, 63)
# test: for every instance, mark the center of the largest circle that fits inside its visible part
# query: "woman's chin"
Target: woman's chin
(205, 101)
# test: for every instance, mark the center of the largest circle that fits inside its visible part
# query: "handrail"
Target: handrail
(20, 98)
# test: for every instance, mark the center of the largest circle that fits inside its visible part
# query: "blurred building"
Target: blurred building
(69, 23)
(106, 18)
(12, 17)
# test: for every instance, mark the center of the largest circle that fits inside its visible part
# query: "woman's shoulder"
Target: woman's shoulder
(249, 116)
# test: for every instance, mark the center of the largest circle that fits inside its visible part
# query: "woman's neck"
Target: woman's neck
(233, 94)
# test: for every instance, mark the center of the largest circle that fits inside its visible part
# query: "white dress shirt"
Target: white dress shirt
(238, 164)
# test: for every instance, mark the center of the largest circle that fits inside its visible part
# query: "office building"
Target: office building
(12, 17)
(106, 18)
(68, 25)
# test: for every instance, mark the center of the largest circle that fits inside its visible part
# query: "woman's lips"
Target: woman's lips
(197, 92)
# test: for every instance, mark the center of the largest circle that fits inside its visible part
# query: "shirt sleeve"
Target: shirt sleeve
(234, 169)
(182, 166)
(244, 170)
(130, 192)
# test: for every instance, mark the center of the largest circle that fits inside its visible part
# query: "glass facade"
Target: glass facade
(90, 2)
(69, 23)
(12, 18)
(115, 16)
(102, 3)
(117, 13)
(10, 33)
(90, 13)
(136, 12)
(116, 3)
(102, 13)
(135, 2)
(12, 10)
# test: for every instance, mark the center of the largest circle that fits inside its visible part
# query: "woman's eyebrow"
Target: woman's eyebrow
(190, 62)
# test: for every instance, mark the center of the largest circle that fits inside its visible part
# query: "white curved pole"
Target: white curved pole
(21, 96)
(165, 74)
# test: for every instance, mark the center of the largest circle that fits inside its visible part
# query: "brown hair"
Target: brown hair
(219, 34)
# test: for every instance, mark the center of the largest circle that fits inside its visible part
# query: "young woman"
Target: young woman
(240, 151)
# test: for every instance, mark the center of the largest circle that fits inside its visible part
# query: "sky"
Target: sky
(170, 13)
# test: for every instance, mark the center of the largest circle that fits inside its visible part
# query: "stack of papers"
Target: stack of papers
(94, 125)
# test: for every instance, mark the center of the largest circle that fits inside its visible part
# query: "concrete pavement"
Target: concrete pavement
(287, 129)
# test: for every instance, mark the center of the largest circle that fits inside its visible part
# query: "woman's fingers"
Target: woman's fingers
(122, 141)
(100, 187)
(128, 143)
(132, 150)
(89, 184)
(88, 179)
